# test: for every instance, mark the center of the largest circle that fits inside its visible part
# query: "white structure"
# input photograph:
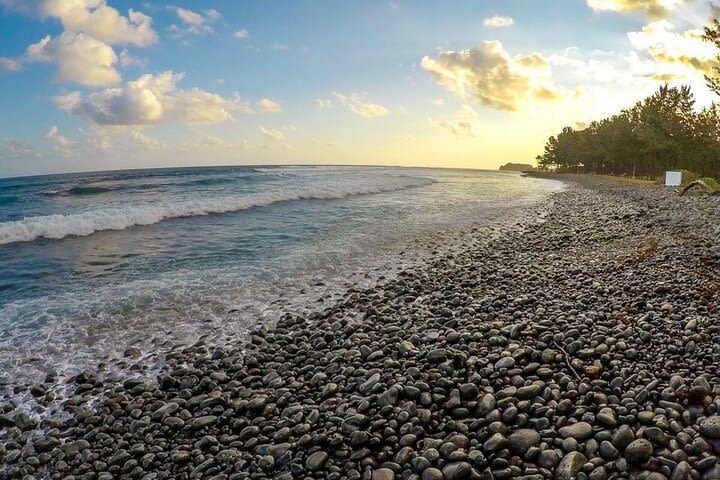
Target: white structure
(673, 179)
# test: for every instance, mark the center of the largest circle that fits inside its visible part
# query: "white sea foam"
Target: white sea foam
(121, 217)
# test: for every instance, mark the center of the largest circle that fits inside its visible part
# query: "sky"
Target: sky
(113, 84)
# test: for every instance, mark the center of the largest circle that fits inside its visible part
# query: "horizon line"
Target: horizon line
(256, 165)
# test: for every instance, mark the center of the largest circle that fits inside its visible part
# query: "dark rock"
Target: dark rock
(570, 465)
(520, 441)
(638, 451)
(710, 427)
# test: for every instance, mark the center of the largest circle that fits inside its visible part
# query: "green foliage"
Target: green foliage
(688, 176)
(712, 34)
(661, 132)
(711, 182)
(517, 167)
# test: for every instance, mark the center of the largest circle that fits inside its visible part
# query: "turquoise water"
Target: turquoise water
(93, 263)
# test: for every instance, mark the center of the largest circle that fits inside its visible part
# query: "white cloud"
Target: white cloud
(146, 141)
(83, 51)
(277, 137)
(212, 14)
(193, 22)
(80, 58)
(463, 123)
(58, 142)
(13, 149)
(322, 104)
(189, 17)
(267, 105)
(651, 8)
(127, 60)
(10, 64)
(493, 78)
(204, 142)
(104, 23)
(152, 99)
(498, 21)
(674, 54)
(199, 106)
(360, 105)
(97, 139)
(215, 141)
(279, 46)
(273, 134)
(241, 34)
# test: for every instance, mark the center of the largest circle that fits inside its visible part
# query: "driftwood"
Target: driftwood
(567, 360)
(701, 184)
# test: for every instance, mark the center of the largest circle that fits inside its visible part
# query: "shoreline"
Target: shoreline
(299, 285)
(581, 346)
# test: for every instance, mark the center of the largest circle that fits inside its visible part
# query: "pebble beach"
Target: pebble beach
(583, 344)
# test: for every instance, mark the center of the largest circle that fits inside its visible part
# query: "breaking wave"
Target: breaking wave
(119, 218)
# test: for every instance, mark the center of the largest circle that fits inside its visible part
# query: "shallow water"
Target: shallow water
(93, 263)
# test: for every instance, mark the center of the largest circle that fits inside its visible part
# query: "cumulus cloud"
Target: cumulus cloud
(241, 34)
(674, 54)
(189, 17)
(651, 8)
(13, 149)
(267, 105)
(462, 124)
(10, 64)
(101, 21)
(492, 77)
(193, 22)
(360, 105)
(80, 58)
(152, 99)
(59, 143)
(83, 51)
(498, 21)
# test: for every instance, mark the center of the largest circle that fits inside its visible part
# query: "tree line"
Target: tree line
(661, 132)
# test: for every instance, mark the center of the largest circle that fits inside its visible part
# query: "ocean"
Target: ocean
(94, 263)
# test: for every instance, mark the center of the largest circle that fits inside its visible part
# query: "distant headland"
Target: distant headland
(518, 167)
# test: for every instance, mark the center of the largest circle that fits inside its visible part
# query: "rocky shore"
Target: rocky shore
(586, 346)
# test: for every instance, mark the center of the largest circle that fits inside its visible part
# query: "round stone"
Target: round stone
(579, 431)
(432, 474)
(639, 451)
(521, 440)
(710, 427)
(606, 417)
(570, 465)
(316, 461)
(383, 474)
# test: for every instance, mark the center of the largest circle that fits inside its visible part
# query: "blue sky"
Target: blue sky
(104, 84)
